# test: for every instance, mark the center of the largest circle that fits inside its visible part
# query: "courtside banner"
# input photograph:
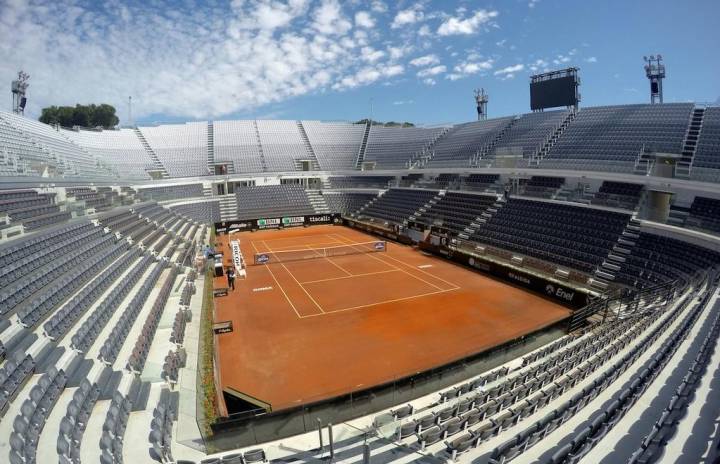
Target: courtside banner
(566, 295)
(228, 227)
(322, 219)
(236, 255)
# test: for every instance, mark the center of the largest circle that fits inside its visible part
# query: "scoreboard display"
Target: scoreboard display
(549, 91)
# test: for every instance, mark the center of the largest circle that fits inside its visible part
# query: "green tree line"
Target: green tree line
(387, 124)
(102, 115)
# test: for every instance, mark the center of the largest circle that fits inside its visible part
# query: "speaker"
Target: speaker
(654, 87)
(23, 102)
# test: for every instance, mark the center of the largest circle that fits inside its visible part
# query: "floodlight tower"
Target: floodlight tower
(481, 100)
(130, 119)
(18, 88)
(655, 72)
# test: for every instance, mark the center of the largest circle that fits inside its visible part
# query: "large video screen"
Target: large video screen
(553, 93)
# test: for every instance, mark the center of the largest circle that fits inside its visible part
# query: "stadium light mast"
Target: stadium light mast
(130, 120)
(18, 88)
(655, 72)
(481, 101)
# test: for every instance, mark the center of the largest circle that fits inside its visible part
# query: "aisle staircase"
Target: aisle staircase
(228, 207)
(260, 150)
(537, 157)
(479, 221)
(314, 163)
(605, 273)
(363, 146)
(210, 149)
(684, 165)
(318, 202)
(481, 158)
(153, 156)
(427, 206)
(366, 205)
(421, 159)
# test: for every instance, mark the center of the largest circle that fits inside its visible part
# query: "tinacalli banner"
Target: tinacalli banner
(229, 227)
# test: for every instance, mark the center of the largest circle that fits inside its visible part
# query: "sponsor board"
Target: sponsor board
(262, 258)
(379, 246)
(237, 227)
(293, 221)
(241, 225)
(320, 218)
(559, 292)
(236, 255)
(562, 294)
(222, 327)
(272, 223)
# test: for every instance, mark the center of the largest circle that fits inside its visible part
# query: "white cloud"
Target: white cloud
(408, 16)
(591, 59)
(364, 19)
(203, 63)
(393, 70)
(424, 31)
(474, 67)
(378, 7)
(434, 71)
(532, 3)
(465, 26)
(398, 52)
(329, 19)
(538, 65)
(426, 60)
(468, 68)
(403, 102)
(370, 54)
(429, 81)
(368, 75)
(510, 69)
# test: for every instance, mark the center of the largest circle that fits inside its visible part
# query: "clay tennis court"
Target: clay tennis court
(309, 330)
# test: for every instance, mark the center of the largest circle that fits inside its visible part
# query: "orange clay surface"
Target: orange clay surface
(305, 331)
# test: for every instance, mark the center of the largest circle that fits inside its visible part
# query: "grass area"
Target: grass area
(207, 395)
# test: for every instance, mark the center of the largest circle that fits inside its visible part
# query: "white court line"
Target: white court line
(280, 286)
(379, 303)
(297, 282)
(455, 287)
(331, 261)
(349, 277)
(313, 245)
(371, 255)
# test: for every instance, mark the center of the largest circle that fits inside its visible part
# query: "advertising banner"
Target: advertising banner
(563, 294)
(229, 227)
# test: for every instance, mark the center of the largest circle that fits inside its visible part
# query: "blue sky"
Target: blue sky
(326, 59)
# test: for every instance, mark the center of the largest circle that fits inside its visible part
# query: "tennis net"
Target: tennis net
(284, 256)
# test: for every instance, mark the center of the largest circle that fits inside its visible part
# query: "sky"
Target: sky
(417, 61)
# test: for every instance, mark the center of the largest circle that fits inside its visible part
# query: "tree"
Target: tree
(102, 115)
(386, 124)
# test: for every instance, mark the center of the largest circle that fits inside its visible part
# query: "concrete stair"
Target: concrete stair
(318, 202)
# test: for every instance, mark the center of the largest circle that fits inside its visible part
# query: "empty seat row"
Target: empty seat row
(142, 344)
(111, 346)
(90, 329)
